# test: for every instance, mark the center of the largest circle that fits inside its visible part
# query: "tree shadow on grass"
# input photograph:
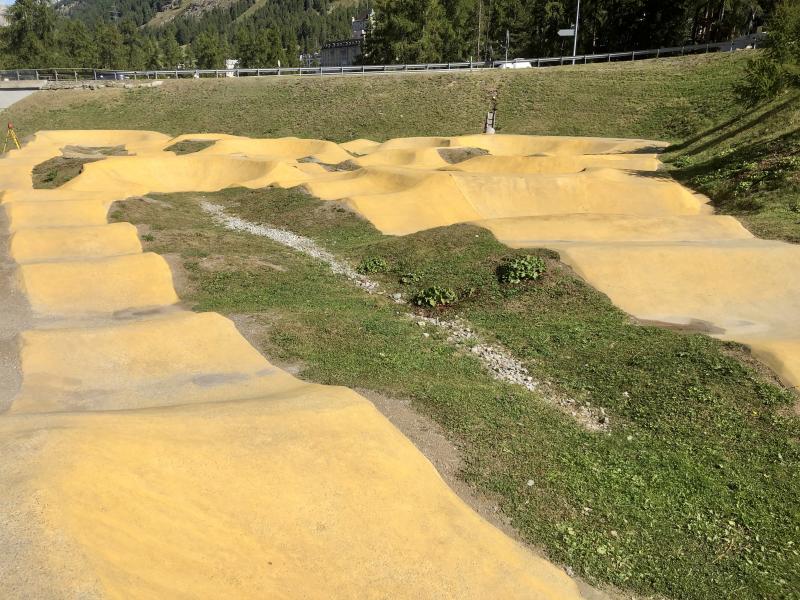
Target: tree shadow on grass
(758, 118)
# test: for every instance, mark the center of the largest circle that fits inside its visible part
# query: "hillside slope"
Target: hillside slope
(669, 99)
(750, 166)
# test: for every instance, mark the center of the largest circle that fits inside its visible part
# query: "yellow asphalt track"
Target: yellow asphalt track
(152, 452)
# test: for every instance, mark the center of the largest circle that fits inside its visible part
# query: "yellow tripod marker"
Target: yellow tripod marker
(11, 135)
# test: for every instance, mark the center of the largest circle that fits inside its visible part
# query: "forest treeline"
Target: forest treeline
(120, 34)
(42, 35)
(434, 30)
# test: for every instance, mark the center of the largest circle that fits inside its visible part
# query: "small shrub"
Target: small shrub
(434, 296)
(748, 204)
(794, 206)
(517, 270)
(373, 264)
(148, 237)
(409, 278)
(764, 79)
(743, 187)
(683, 161)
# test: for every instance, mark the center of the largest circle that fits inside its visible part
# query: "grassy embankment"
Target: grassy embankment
(690, 495)
(750, 166)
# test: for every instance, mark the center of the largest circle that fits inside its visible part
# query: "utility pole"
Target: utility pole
(575, 39)
(506, 45)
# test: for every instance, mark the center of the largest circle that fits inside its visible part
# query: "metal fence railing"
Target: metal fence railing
(84, 74)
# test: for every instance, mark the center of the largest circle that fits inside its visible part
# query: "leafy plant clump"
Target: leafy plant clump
(434, 296)
(373, 264)
(517, 270)
(409, 278)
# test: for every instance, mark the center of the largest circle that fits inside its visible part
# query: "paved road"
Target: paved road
(9, 97)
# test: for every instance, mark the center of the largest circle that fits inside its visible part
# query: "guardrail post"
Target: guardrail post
(37, 74)
(362, 68)
(633, 55)
(658, 52)
(562, 61)
(706, 48)
(56, 74)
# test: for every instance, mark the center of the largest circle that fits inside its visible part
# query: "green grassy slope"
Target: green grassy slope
(667, 99)
(750, 166)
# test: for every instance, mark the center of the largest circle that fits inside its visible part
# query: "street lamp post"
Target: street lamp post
(575, 36)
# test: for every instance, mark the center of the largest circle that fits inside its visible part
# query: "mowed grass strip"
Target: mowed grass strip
(692, 493)
(660, 99)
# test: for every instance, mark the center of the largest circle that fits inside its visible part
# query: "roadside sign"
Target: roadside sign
(566, 32)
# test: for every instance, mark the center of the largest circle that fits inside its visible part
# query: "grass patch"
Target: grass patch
(692, 493)
(190, 146)
(59, 170)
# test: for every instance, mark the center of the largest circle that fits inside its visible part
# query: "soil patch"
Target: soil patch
(457, 155)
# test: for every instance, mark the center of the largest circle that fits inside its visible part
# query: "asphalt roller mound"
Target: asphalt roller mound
(225, 476)
(41, 244)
